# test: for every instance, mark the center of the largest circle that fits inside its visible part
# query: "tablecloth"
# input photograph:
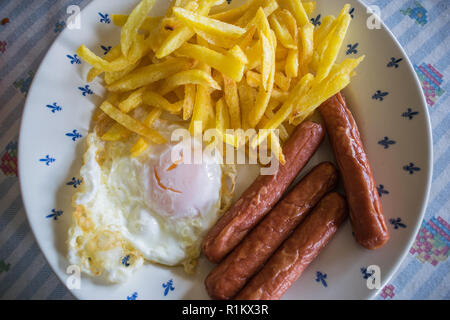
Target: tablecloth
(29, 27)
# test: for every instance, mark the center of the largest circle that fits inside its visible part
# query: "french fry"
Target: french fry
(117, 64)
(193, 76)
(323, 30)
(286, 109)
(132, 101)
(319, 93)
(232, 100)
(114, 53)
(222, 116)
(237, 53)
(116, 132)
(279, 95)
(310, 7)
(113, 76)
(291, 67)
(247, 97)
(131, 123)
(330, 53)
(235, 13)
(154, 99)
(148, 25)
(282, 33)
(297, 9)
(203, 110)
(141, 144)
(179, 36)
(212, 26)
(253, 79)
(189, 100)
(307, 37)
(145, 75)
(275, 147)
(135, 20)
(249, 18)
(282, 81)
(227, 64)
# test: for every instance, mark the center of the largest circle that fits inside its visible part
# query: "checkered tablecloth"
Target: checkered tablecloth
(29, 27)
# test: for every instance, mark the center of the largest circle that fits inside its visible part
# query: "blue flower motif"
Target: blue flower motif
(55, 214)
(47, 160)
(74, 135)
(379, 95)
(410, 114)
(106, 49)
(411, 168)
(168, 286)
(381, 190)
(74, 59)
(316, 21)
(394, 62)
(352, 49)
(320, 277)
(54, 107)
(229, 1)
(133, 296)
(386, 142)
(125, 260)
(366, 275)
(104, 18)
(85, 90)
(397, 223)
(351, 12)
(74, 182)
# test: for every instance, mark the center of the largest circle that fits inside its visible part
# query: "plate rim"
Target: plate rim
(429, 158)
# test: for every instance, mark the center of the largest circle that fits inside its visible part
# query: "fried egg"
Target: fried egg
(156, 207)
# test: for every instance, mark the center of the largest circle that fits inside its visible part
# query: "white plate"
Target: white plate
(56, 107)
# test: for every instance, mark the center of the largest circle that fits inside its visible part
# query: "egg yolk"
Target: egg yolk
(181, 188)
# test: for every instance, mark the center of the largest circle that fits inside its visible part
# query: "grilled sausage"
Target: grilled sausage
(366, 213)
(298, 251)
(248, 257)
(263, 194)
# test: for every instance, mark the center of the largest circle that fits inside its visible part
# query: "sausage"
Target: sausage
(298, 251)
(247, 258)
(366, 213)
(263, 194)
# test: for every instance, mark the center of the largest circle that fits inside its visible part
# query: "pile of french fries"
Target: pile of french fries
(262, 65)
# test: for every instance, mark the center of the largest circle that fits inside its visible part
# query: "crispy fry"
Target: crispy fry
(145, 75)
(132, 101)
(148, 25)
(232, 100)
(188, 77)
(320, 92)
(307, 36)
(282, 81)
(227, 64)
(211, 26)
(286, 109)
(189, 99)
(117, 64)
(141, 144)
(129, 31)
(335, 40)
(291, 67)
(116, 132)
(154, 99)
(179, 36)
(222, 116)
(131, 123)
(282, 32)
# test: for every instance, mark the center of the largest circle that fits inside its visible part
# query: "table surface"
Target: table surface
(28, 28)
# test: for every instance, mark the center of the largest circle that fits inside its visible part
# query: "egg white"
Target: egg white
(116, 228)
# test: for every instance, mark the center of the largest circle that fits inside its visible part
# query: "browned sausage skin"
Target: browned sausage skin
(366, 214)
(298, 251)
(248, 257)
(263, 194)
